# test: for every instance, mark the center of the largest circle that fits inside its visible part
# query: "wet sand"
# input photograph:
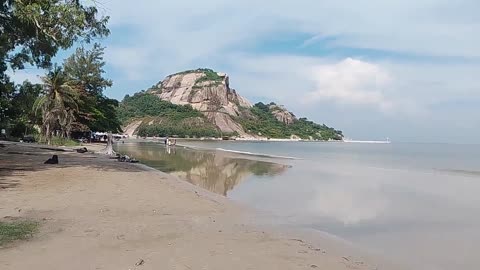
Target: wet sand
(97, 213)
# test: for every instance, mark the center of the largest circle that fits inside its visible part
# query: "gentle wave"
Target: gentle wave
(238, 152)
(256, 154)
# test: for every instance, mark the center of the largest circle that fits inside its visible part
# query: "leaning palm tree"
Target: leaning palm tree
(57, 104)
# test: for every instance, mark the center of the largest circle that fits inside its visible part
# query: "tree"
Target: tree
(32, 32)
(7, 90)
(85, 69)
(22, 117)
(57, 104)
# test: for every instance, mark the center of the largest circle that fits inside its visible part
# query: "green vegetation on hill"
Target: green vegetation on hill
(145, 104)
(163, 118)
(210, 76)
(156, 88)
(193, 70)
(261, 121)
(185, 128)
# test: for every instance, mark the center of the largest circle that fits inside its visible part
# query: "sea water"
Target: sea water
(417, 203)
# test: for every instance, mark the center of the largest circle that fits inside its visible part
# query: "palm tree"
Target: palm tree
(57, 104)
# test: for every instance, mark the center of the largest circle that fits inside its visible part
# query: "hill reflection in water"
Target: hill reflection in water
(215, 171)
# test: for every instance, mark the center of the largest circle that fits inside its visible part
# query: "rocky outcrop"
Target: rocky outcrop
(282, 114)
(132, 127)
(207, 91)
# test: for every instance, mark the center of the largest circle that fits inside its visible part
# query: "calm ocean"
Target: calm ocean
(416, 203)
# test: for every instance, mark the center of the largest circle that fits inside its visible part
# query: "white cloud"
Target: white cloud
(300, 82)
(351, 81)
(423, 35)
(437, 27)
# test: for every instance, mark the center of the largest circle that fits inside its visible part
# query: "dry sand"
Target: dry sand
(97, 213)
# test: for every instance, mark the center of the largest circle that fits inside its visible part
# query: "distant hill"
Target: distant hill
(200, 103)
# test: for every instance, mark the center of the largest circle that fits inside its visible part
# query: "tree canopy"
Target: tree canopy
(32, 32)
(19, 109)
(85, 67)
(57, 104)
(85, 70)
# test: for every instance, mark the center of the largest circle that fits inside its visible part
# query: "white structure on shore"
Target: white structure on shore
(359, 141)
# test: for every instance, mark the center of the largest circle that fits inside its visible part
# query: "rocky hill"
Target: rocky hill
(201, 103)
(282, 114)
(208, 92)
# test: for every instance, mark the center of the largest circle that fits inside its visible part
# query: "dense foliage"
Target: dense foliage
(145, 104)
(32, 32)
(163, 118)
(162, 127)
(261, 121)
(56, 105)
(84, 70)
(72, 97)
(19, 110)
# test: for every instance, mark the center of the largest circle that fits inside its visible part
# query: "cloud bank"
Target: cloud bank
(402, 68)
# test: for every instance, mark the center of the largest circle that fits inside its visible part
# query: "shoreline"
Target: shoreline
(262, 140)
(240, 139)
(111, 214)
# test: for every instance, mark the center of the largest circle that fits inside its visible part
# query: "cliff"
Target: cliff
(208, 92)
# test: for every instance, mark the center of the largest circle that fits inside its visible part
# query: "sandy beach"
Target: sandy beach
(97, 213)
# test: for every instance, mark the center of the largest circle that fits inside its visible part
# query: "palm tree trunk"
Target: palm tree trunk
(47, 133)
(109, 144)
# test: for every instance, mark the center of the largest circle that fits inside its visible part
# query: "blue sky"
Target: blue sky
(407, 70)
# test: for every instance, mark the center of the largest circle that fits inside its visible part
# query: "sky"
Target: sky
(403, 69)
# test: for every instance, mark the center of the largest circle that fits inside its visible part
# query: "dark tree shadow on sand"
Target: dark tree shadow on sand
(17, 159)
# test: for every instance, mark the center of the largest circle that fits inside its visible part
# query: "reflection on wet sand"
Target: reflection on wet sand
(215, 171)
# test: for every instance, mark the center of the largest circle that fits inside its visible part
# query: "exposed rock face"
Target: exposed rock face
(282, 114)
(131, 128)
(208, 92)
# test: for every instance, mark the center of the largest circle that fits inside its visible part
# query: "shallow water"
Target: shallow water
(417, 203)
